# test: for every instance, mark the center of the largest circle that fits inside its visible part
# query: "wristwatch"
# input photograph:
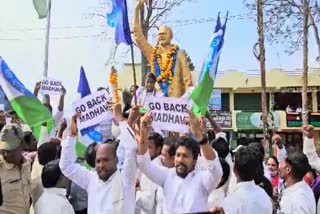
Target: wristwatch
(204, 140)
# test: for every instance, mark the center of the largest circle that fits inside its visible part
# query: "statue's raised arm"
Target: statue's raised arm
(168, 63)
(140, 39)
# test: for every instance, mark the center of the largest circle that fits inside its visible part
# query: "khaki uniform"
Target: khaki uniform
(16, 187)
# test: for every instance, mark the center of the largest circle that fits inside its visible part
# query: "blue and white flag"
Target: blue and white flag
(118, 19)
(201, 94)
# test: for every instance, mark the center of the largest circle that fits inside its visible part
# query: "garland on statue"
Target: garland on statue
(114, 85)
(164, 71)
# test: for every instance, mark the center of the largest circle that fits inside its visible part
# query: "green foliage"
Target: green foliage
(190, 63)
(283, 21)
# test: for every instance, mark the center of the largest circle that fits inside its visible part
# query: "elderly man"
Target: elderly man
(15, 172)
(109, 189)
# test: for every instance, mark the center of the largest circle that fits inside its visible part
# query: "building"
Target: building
(241, 101)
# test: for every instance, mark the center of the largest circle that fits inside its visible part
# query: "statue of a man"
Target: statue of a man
(167, 61)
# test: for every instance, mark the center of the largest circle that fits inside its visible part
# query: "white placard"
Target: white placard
(51, 87)
(93, 109)
(169, 114)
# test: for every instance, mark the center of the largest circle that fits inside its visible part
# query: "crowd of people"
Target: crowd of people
(144, 171)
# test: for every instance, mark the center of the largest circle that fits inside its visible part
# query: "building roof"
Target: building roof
(233, 79)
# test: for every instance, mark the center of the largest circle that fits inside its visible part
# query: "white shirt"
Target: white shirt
(217, 196)
(53, 201)
(99, 192)
(183, 195)
(282, 154)
(298, 198)
(247, 198)
(45, 136)
(142, 94)
(58, 116)
(146, 197)
(310, 151)
(159, 200)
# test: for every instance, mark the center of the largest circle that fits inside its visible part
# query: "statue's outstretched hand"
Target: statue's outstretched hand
(140, 4)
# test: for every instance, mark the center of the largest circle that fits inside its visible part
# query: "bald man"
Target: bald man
(181, 78)
(109, 190)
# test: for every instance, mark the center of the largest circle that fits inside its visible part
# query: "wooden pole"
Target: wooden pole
(305, 63)
(46, 59)
(134, 74)
(262, 60)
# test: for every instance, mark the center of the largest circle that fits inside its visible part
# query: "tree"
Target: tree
(284, 21)
(305, 62)
(262, 59)
(190, 63)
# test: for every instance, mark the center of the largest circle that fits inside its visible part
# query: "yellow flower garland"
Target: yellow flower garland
(114, 82)
(166, 69)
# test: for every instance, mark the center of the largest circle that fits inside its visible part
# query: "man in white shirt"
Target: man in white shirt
(218, 195)
(297, 197)
(46, 152)
(185, 189)
(247, 198)
(109, 190)
(57, 116)
(167, 160)
(53, 200)
(146, 195)
(309, 150)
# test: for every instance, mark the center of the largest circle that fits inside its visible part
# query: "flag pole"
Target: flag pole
(134, 74)
(46, 59)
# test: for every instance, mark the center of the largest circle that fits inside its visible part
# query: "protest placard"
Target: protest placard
(169, 114)
(51, 87)
(93, 109)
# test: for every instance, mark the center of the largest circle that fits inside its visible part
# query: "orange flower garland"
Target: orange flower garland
(114, 82)
(166, 69)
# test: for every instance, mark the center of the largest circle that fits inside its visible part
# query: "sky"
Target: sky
(80, 39)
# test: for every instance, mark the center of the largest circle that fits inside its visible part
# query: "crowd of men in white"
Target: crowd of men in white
(140, 171)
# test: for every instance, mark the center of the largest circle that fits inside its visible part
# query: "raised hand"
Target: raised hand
(37, 86)
(116, 108)
(308, 131)
(145, 123)
(63, 91)
(73, 125)
(195, 126)
(134, 115)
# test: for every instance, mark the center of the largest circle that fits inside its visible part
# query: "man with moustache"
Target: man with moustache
(185, 189)
(109, 190)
